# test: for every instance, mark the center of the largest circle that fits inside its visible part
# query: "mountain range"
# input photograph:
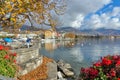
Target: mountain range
(100, 31)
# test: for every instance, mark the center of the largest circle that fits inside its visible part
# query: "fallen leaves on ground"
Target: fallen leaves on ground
(40, 73)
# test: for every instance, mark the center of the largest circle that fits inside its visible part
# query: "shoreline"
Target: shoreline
(39, 73)
(49, 70)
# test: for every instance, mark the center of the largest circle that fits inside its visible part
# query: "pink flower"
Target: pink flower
(118, 78)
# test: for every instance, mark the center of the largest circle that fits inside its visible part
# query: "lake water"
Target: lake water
(81, 53)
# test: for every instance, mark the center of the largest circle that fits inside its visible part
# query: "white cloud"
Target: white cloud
(115, 23)
(116, 11)
(78, 21)
(115, 20)
(109, 20)
(106, 1)
(75, 8)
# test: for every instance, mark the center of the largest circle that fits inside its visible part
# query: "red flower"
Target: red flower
(98, 64)
(113, 72)
(1, 47)
(6, 56)
(14, 61)
(106, 61)
(14, 54)
(118, 78)
(115, 57)
(85, 70)
(118, 63)
(109, 66)
(108, 75)
(89, 72)
(6, 48)
(93, 73)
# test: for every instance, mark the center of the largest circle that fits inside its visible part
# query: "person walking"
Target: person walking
(28, 42)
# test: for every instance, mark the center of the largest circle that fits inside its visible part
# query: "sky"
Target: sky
(92, 14)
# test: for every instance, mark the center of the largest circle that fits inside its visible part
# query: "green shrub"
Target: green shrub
(7, 62)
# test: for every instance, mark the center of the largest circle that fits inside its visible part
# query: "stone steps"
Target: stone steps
(65, 68)
(52, 71)
(60, 76)
(59, 70)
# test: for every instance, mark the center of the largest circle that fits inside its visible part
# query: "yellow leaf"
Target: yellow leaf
(13, 19)
(0, 12)
(4, 18)
(14, 15)
(13, 0)
(22, 10)
(19, 1)
(3, 13)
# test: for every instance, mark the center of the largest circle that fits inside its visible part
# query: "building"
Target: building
(69, 35)
(50, 34)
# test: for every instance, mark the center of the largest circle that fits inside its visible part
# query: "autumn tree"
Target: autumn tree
(14, 13)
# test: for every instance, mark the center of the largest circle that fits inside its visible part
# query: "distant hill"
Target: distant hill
(100, 31)
(67, 29)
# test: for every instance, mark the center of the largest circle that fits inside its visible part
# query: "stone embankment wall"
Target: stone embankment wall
(28, 59)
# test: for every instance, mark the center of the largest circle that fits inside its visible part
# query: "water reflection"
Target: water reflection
(81, 53)
(52, 45)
